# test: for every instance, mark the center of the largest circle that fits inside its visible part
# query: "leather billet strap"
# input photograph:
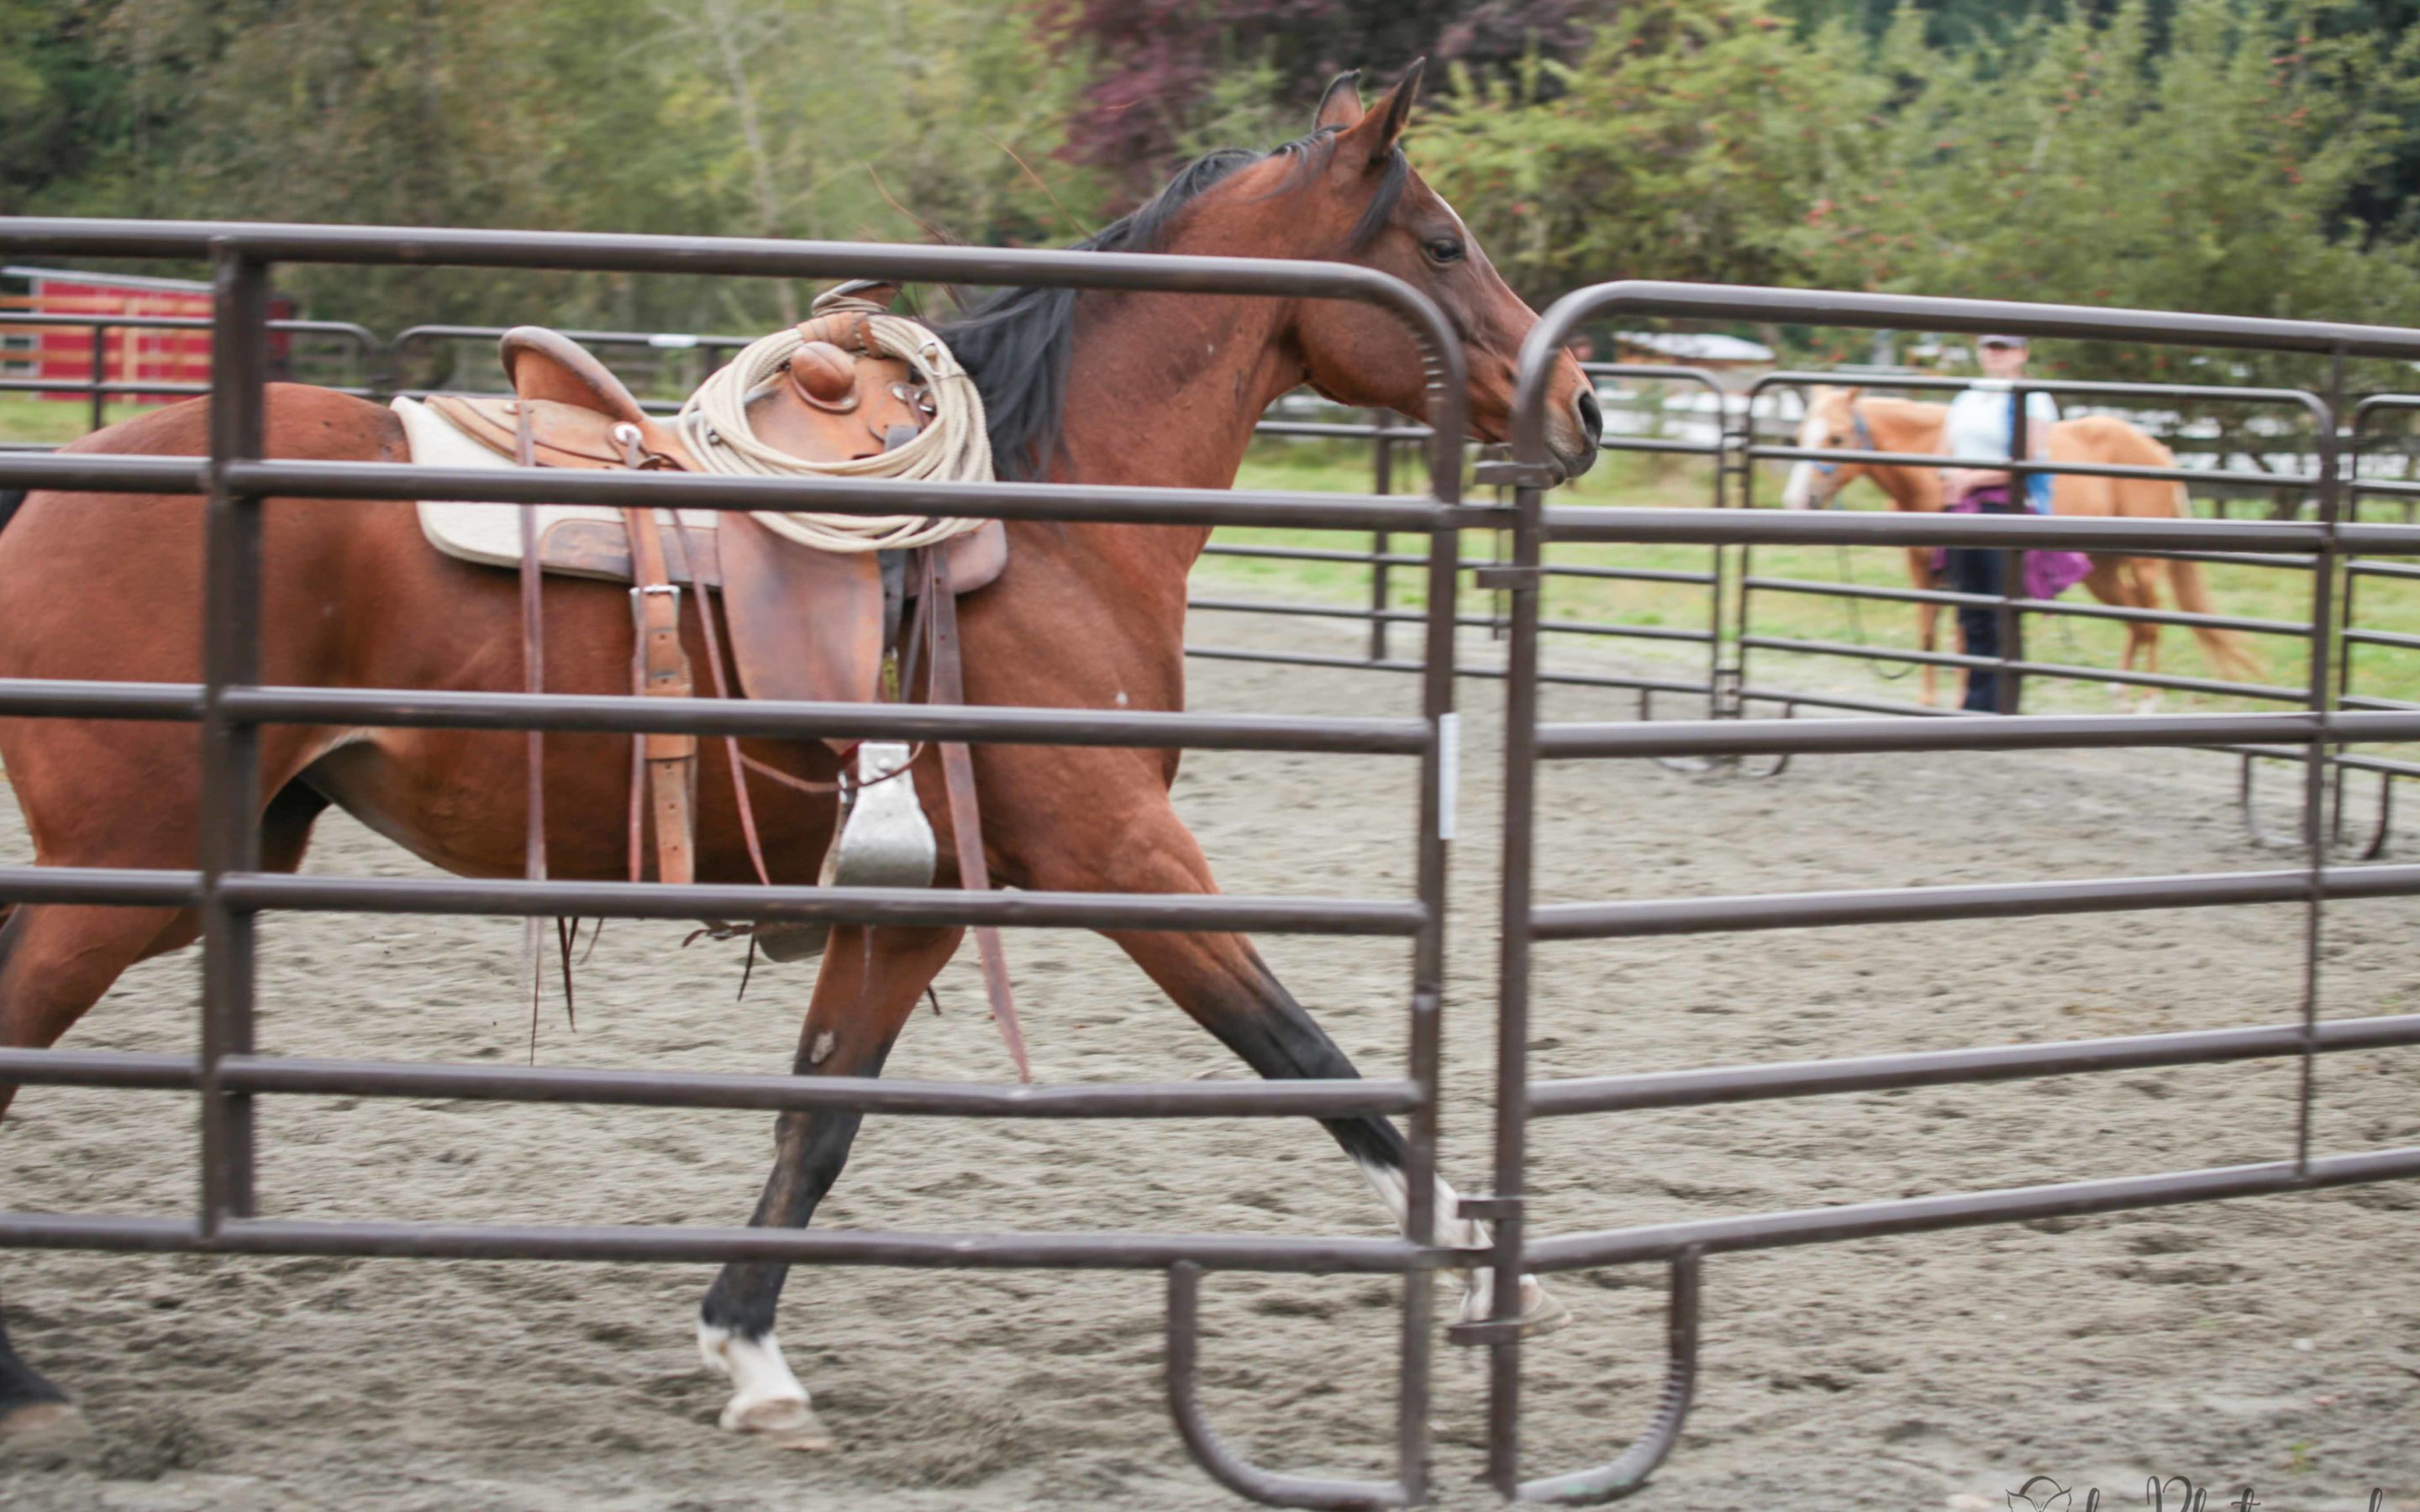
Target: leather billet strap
(661, 669)
(948, 685)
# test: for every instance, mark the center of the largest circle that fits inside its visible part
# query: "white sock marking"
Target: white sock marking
(756, 1368)
(1394, 1190)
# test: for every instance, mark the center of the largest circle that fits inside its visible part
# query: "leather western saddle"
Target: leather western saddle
(804, 624)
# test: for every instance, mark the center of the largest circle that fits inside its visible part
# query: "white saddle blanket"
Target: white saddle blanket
(490, 533)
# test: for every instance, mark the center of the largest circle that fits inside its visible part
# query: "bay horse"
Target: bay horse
(1099, 388)
(1843, 418)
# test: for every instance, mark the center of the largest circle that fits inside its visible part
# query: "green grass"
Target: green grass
(1634, 481)
(29, 417)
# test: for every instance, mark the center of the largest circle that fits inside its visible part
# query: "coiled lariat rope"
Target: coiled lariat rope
(954, 448)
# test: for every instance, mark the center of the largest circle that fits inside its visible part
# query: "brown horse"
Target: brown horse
(1841, 419)
(1106, 388)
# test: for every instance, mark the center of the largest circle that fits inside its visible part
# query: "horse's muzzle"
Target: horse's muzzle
(1575, 434)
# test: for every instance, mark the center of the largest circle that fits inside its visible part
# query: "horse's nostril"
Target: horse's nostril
(1591, 417)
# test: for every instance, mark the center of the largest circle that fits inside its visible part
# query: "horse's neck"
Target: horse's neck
(1164, 390)
(1905, 425)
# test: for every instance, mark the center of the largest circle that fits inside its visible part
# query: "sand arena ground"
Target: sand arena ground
(2274, 1343)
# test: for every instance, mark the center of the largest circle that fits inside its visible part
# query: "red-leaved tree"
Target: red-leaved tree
(1164, 71)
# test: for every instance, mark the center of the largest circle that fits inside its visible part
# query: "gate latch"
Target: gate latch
(1483, 1331)
(1483, 1210)
(1504, 577)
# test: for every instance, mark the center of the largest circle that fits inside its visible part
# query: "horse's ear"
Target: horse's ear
(1377, 133)
(1339, 103)
(1856, 393)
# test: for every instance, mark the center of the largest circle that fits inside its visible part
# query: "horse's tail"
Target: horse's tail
(2224, 648)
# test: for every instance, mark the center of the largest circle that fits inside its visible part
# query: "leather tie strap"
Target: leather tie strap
(534, 679)
(695, 550)
(966, 820)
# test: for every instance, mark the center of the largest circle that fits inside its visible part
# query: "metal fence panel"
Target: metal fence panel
(2324, 543)
(230, 887)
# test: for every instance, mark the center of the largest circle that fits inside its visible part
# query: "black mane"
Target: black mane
(1017, 342)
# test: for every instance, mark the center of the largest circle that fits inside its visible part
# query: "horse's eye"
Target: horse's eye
(1443, 250)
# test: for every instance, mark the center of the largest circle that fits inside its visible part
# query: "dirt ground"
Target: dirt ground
(2271, 1343)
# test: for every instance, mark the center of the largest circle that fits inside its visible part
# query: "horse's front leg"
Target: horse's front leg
(1222, 983)
(870, 983)
(1928, 619)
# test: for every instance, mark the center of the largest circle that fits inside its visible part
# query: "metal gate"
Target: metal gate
(2323, 724)
(230, 889)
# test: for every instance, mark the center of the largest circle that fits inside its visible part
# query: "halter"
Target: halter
(1865, 436)
(1865, 442)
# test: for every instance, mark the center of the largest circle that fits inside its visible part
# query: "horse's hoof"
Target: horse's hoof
(1541, 1311)
(769, 1401)
(42, 1424)
(785, 1420)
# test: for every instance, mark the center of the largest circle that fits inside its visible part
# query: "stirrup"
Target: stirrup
(884, 841)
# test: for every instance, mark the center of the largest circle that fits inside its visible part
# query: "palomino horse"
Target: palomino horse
(1115, 388)
(1841, 419)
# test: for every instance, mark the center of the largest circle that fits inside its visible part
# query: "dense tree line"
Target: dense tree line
(2244, 155)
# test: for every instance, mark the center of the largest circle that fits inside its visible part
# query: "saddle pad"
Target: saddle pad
(490, 535)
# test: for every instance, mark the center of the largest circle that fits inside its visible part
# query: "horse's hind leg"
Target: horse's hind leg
(55, 962)
(870, 983)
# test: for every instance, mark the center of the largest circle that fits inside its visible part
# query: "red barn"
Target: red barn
(129, 354)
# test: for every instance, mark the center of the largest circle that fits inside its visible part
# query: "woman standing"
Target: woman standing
(1982, 423)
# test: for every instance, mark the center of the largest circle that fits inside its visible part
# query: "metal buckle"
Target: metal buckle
(639, 603)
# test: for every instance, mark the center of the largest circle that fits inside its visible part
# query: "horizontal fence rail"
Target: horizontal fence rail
(1740, 433)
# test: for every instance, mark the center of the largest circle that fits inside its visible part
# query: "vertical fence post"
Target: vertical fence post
(100, 373)
(230, 788)
(2316, 756)
(2348, 431)
(1727, 674)
(1513, 994)
(1382, 481)
(1441, 773)
(2010, 625)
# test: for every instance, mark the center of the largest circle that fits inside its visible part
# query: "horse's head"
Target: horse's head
(1347, 193)
(1344, 192)
(1832, 423)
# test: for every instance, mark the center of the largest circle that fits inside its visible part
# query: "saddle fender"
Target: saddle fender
(804, 624)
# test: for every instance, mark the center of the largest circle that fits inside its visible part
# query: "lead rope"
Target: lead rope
(1857, 620)
(954, 448)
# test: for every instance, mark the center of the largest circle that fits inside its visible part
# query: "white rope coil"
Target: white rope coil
(954, 448)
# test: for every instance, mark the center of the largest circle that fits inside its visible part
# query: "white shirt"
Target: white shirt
(1978, 428)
